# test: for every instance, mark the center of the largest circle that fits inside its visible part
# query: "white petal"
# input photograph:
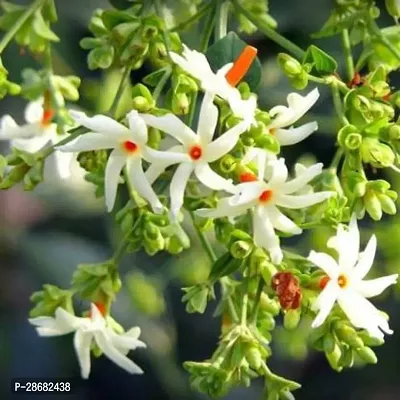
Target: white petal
(208, 119)
(325, 303)
(31, 145)
(172, 125)
(305, 176)
(326, 263)
(224, 209)
(100, 123)
(156, 169)
(126, 341)
(114, 166)
(63, 163)
(362, 313)
(225, 143)
(67, 320)
(89, 142)
(347, 244)
(282, 222)
(365, 260)
(375, 287)
(178, 186)
(114, 355)
(287, 137)
(48, 326)
(248, 193)
(212, 180)
(260, 156)
(301, 201)
(297, 106)
(244, 109)
(264, 235)
(82, 342)
(34, 111)
(10, 130)
(142, 185)
(279, 173)
(138, 127)
(164, 157)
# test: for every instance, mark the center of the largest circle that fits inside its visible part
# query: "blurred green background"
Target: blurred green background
(45, 234)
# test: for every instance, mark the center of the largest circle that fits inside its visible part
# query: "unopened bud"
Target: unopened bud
(388, 205)
(367, 354)
(291, 319)
(394, 132)
(329, 343)
(353, 141)
(373, 206)
(141, 104)
(348, 335)
(180, 104)
(393, 8)
(290, 66)
(253, 357)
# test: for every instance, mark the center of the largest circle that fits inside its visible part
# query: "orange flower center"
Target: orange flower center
(265, 196)
(101, 307)
(129, 147)
(247, 177)
(342, 281)
(47, 117)
(195, 152)
(241, 65)
(272, 131)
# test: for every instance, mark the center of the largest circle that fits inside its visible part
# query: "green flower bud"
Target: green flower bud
(348, 335)
(378, 154)
(291, 319)
(232, 121)
(227, 164)
(180, 104)
(268, 270)
(347, 358)
(241, 249)
(360, 189)
(247, 140)
(393, 8)
(267, 323)
(300, 81)
(143, 91)
(253, 356)
(370, 340)
(345, 132)
(141, 104)
(353, 141)
(244, 90)
(377, 111)
(388, 205)
(263, 116)
(334, 358)
(290, 66)
(268, 142)
(174, 246)
(329, 343)
(394, 132)
(373, 206)
(269, 305)
(367, 355)
(256, 131)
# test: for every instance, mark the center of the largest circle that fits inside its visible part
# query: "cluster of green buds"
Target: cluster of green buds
(295, 72)
(258, 8)
(7, 87)
(343, 345)
(35, 33)
(126, 38)
(151, 231)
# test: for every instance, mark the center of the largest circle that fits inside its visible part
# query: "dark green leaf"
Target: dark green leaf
(112, 18)
(323, 62)
(121, 4)
(226, 51)
(224, 266)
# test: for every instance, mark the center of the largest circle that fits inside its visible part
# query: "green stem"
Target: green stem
(208, 28)
(18, 24)
(245, 300)
(383, 39)
(221, 26)
(204, 241)
(336, 159)
(201, 11)
(157, 6)
(256, 306)
(337, 102)
(160, 86)
(269, 32)
(347, 54)
(120, 91)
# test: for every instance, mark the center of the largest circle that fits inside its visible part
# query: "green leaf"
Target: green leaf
(112, 18)
(121, 4)
(41, 28)
(154, 78)
(227, 50)
(323, 62)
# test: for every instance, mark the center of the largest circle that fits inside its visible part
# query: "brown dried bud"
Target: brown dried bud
(286, 286)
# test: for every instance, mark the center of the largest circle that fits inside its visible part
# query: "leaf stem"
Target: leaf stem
(160, 86)
(201, 11)
(336, 159)
(245, 301)
(221, 26)
(269, 32)
(337, 102)
(256, 306)
(347, 54)
(383, 39)
(120, 91)
(204, 241)
(208, 28)
(18, 24)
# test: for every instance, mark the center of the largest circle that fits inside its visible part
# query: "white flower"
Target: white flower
(196, 151)
(114, 346)
(129, 148)
(286, 116)
(264, 198)
(35, 135)
(344, 283)
(223, 82)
